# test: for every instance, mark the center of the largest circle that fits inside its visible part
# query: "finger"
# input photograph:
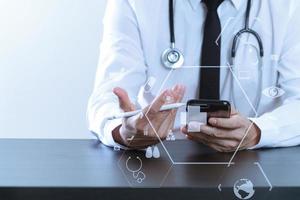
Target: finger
(179, 91)
(176, 94)
(204, 141)
(162, 123)
(229, 139)
(173, 117)
(184, 129)
(233, 111)
(219, 132)
(124, 101)
(155, 106)
(229, 123)
(155, 120)
(210, 131)
(224, 145)
(170, 120)
(202, 137)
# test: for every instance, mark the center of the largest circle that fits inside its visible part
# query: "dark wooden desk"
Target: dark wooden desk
(85, 169)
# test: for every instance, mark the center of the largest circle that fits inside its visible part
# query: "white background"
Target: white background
(48, 57)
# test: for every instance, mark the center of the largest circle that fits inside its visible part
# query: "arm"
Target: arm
(281, 127)
(278, 128)
(121, 64)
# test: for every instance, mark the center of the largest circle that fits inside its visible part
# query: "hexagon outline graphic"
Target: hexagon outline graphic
(228, 163)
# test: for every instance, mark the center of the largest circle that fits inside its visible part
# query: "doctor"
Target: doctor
(261, 82)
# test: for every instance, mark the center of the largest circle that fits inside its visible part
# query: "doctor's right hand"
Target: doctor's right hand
(136, 132)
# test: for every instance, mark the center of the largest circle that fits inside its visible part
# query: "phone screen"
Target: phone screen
(199, 111)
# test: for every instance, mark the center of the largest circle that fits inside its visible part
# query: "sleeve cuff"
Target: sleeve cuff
(102, 128)
(268, 132)
(106, 137)
(107, 132)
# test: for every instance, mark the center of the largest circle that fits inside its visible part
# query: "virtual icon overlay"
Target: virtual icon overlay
(137, 172)
(145, 168)
(243, 189)
(273, 92)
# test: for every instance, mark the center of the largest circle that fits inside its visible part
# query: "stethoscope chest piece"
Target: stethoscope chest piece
(172, 58)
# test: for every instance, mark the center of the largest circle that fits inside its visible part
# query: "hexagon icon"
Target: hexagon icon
(242, 100)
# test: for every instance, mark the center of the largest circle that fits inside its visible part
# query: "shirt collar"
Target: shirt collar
(236, 3)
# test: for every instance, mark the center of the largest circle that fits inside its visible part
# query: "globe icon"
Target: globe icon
(243, 189)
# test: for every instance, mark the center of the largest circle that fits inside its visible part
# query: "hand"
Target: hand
(226, 134)
(136, 132)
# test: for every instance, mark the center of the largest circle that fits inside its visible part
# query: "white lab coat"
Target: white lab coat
(136, 32)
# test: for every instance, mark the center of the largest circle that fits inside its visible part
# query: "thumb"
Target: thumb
(124, 101)
(233, 111)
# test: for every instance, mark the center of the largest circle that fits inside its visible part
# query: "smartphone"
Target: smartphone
(200, 110)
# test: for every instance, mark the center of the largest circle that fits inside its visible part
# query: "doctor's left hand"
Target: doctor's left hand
(226, 134)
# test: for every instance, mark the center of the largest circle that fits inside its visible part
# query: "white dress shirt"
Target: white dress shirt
(136, 32)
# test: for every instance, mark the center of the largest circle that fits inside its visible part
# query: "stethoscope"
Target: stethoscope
(248, 30)
(173, 58)
(136, 172)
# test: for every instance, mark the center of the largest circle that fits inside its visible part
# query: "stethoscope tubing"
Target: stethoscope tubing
(237, 36)
(245, 30)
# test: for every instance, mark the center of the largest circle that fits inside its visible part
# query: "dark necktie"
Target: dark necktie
(211, 50)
